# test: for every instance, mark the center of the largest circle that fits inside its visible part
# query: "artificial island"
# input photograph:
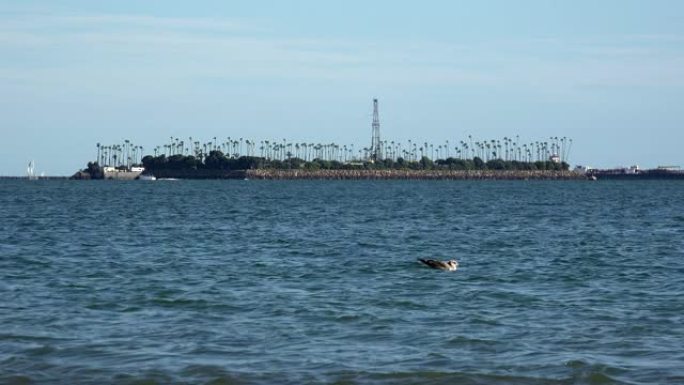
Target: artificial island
(240, 158)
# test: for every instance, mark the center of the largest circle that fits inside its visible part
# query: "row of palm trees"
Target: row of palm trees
(508, 149)
(124, 154)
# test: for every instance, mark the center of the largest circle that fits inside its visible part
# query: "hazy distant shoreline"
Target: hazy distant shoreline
(26, 177)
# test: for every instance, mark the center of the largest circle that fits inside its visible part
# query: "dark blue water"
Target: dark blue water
(255, 282)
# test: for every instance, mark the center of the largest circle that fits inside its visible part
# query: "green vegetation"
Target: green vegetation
(231, 157)
(216, 160)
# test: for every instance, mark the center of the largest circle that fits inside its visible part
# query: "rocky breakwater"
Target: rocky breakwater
(199, 174)
(416, 174)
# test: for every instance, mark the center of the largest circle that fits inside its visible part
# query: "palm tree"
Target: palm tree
(126, 153)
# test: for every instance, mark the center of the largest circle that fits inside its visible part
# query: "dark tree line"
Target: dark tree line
(216, 160)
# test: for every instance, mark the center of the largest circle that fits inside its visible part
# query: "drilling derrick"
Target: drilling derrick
(376, 144)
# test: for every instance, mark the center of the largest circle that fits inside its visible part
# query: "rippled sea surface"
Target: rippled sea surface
(293, 282)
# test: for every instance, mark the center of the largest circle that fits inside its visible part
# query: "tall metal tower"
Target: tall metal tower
(376, 144)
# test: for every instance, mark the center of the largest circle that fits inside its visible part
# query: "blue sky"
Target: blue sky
(609, 74)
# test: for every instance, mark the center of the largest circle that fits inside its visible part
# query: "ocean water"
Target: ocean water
(316, 282)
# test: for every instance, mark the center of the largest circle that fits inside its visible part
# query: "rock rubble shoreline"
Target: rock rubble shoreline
(414, 174)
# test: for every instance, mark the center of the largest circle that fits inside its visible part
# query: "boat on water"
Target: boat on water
(146, 177)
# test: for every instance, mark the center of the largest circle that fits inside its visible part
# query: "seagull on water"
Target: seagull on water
(451, 265)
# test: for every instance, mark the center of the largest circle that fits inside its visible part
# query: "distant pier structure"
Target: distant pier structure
(376, 144)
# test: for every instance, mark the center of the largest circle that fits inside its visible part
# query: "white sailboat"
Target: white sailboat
(30, 171)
